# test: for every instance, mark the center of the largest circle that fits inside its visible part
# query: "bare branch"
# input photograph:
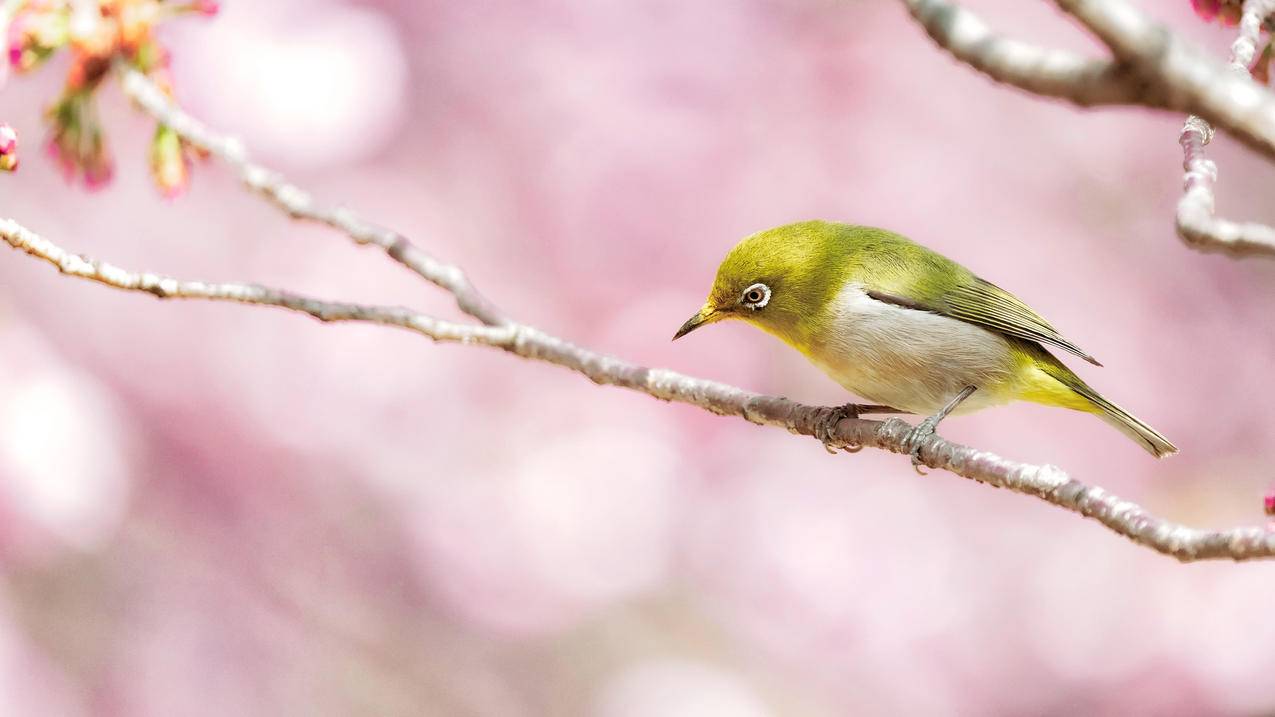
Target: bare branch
(1191, 80)
(166, 287)
(1196, 222)
(1045, 482)
(298, 203)
(1151, 67)
(1051, 73)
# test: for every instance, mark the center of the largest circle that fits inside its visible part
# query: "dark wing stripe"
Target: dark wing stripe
(898, 301)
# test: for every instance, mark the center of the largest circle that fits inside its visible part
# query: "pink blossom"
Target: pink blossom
(8, 148)
(1225, 11)
(1206, 9)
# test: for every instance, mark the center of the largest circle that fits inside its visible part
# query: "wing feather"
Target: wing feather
(984, 304)
(897, 270)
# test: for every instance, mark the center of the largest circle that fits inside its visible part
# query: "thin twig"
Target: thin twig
(1045, 482)
(1196, 222)
(298, 203)
(166, 287)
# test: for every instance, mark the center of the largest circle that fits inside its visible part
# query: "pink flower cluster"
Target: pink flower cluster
(1225, 11)
(96, 35)
(8, 149)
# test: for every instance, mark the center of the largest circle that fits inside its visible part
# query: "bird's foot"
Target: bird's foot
(917, 437)
(827, 431)
(924, 430)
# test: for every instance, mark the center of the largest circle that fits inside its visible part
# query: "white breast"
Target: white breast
(907, 358)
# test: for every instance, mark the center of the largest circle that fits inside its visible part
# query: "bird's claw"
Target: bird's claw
(828, 427)
(917, 438)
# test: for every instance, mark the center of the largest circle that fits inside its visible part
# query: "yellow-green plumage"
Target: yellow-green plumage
(901, 325)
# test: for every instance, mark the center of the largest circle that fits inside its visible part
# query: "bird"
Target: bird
(898, 324)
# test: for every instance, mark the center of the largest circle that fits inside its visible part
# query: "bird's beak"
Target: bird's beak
(706, 315)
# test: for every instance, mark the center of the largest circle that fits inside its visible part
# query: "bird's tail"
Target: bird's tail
(1084, 398)
(1129, 424)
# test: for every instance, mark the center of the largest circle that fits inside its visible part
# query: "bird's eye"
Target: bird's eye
(755, 296)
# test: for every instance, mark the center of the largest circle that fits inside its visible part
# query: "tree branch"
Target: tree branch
(1191, 81)
(298, 203)
(1196, 222)
(1151, 67)
(1045, 482)
(1050, 73)
(166, 287)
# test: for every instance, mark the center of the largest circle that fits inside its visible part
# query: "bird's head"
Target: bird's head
(778, 280)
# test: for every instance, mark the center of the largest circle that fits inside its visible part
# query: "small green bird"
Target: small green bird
(898, 324)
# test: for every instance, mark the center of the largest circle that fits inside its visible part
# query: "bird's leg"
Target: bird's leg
(828, 426)
(917, 436)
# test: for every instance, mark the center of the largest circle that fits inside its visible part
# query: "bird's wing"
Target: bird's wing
(897, 270)
(984, 304)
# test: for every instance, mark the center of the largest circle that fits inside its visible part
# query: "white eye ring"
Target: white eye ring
(756, 296)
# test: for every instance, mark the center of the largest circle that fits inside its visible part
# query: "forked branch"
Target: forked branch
(1151, 67)
(498, 331)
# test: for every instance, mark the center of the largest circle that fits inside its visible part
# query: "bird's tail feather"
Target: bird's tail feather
(1128, 424)
(1146, 436)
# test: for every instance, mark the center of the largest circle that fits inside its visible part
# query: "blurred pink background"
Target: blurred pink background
(214, 510)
